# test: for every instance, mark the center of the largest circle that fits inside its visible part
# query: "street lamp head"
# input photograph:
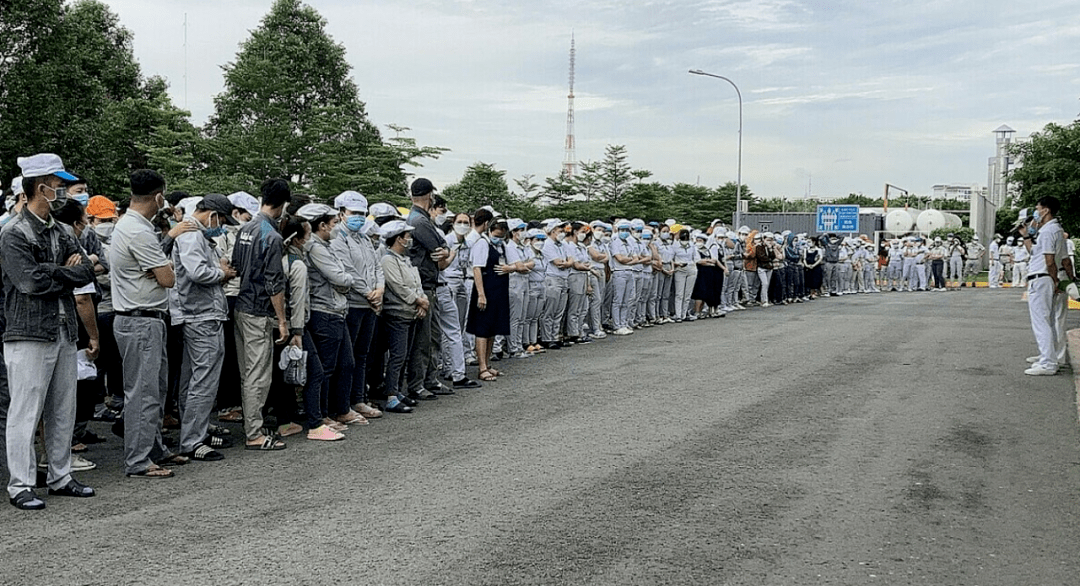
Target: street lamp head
(697, 72)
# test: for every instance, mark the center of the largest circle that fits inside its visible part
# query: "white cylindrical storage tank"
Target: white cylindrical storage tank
(898, 222)
(930, 220)
(953, 221)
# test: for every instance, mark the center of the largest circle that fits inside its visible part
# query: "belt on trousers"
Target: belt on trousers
(1037, 275)
(143, 313)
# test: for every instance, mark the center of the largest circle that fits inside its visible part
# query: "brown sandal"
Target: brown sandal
(487, 376)
(152, 472)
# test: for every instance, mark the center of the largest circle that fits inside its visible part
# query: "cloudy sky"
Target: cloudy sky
(841, 95)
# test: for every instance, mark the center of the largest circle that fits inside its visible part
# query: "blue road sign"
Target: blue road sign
(843, 218)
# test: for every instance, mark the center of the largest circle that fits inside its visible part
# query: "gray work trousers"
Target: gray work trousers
(41, 377)
(254, 335)
(684, 278)
(200, 373)
(652, 294)
(956, 268)
(5, 402)
(596, 302)
(753, 284)
(461, 290)
(831, 278)
(971, 269)
(605, 308)
(533, 309)
(141, 341)
(844, 277)
(729, 294)
(451, 342)
(421, 369)
(641, 294)
(577, 303)
(519, 300)
(556, 291)
(622, 285)
(664, 293)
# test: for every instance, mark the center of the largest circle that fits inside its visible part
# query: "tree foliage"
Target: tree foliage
(1050, 165)
(72, 86)
(290, 109)
(483, 185)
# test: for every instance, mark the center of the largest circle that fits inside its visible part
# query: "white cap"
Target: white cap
(188, 204)
(698, 234)
(516, 224)
(637, 224)
(536, 233)
(16, 185)
(395, 227)
(44, 164)
(382, 209)
(731, 235)
(313, 211)
(670, 222)
(623, 223)
(744, 230)
(494, 213)
(352, 201)
(245, 201)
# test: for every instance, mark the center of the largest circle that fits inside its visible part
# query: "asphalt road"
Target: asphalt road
(885, 439)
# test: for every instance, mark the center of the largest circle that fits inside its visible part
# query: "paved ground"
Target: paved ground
(887, 439)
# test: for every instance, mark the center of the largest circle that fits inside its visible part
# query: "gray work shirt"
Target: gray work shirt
(358, 254)
(198, 295)
(133, 250)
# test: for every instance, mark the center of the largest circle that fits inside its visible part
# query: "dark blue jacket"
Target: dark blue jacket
(257, 260)
(36, 282)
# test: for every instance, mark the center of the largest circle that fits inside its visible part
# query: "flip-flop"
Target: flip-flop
(173, 460)
(270, 443)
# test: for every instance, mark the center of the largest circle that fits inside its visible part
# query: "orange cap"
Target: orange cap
(100, 206)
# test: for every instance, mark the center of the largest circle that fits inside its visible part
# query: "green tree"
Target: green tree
(73, 87)
(289, 109)
(588, 182)
(614, 173)
(1050, 165)
(530, 190)
(559, 189)
(483, 184)
(650, 201)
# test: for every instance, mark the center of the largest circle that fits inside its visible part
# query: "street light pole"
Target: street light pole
(738, 176)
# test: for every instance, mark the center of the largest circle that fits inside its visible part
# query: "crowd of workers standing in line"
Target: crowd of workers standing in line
(326, 316)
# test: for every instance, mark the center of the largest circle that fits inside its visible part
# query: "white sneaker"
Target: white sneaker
(1032, 359)
(766, 304)
(598, 335)
(80, 464)
(1040, 371)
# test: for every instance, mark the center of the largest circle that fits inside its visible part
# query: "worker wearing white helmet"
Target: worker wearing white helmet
(844, 271)
(623, 259)
(558, 263)
(636, 313)
(993, 277)
(975, 252)
(1006, 257)
(1021, 256)
(732, 277)
(597, 249)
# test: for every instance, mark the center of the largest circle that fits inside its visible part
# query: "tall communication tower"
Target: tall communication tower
(570, 160)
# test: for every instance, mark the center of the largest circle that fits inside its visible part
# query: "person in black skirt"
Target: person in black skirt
(811, 261)
(489, 306)
(710, 278)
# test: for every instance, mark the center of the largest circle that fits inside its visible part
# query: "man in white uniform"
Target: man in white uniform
(1046, 304)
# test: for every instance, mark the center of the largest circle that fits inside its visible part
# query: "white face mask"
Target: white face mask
(462, 229)
(104, 231)
(538, 245)
(441, 218)
(560, 236)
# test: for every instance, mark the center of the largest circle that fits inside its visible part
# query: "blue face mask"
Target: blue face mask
(624, 234)
(355, 223)
(1032, 230)
(496, 240)
(215, 232)
(83, 198)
